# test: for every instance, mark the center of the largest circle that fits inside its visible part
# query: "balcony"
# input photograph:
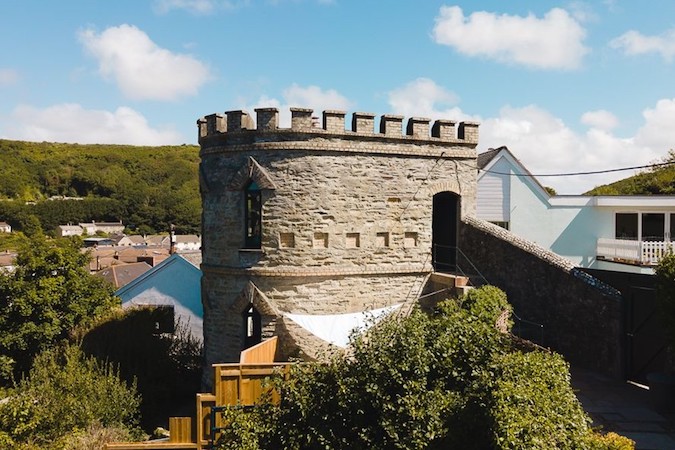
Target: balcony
(643, 253)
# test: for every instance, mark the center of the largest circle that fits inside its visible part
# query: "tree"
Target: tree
(48, 294)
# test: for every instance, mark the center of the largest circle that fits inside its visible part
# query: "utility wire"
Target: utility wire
(569, 174)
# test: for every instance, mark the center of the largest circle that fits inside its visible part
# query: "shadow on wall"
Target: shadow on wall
(166, 367)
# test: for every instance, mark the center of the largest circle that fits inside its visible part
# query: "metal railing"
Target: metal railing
(448, 257)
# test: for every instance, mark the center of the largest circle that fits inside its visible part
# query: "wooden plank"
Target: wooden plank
(204, 404)
(264, 352)
(180, 429)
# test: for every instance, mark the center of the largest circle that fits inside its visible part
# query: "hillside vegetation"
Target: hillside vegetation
(657, 181)
(145, 187)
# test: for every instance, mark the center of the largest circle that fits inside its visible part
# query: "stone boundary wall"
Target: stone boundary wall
(582, 317)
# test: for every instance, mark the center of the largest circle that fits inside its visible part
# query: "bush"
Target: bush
(448, 380)
(611, 441)
(532, 405)
(489, 304)
(67, 392)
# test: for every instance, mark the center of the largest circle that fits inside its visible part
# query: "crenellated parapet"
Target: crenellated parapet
(333, 123)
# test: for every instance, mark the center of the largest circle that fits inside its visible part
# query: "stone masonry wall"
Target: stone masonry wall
(346, 215)
(582, 317)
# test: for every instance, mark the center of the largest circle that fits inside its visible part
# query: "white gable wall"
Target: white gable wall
(494, 193)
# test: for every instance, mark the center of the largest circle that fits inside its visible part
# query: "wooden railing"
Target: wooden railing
(637, 252)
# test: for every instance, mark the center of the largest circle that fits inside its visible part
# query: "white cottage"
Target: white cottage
(623, 233)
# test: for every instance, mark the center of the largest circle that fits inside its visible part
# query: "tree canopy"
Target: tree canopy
(147, 188)
(47, 295)
(659, 180)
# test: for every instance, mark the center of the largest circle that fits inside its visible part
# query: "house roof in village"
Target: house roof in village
(123, 274)
(180, 238)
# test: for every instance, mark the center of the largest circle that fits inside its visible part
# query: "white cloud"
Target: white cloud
(302, 97)
(423, 97)
(141, 69)
(636, 43)
(552, 42)
(546, 145)
(8, 77)
(600, 119)
(72, 123)
(658, 131)
(197, 7)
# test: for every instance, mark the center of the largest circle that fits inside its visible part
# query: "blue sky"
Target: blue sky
(567, 86)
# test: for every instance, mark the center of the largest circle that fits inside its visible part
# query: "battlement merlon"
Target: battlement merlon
(391, 126)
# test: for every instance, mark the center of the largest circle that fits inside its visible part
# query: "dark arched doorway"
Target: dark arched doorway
(446, 206)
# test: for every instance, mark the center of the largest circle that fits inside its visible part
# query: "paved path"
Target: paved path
(624, 408)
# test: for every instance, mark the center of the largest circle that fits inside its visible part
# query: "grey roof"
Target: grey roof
(123, 274)
(485, 157)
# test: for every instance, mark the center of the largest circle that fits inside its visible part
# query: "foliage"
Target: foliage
(487, 304)
(532, 405)
(611, 441)
(167, 368)
(665, 300)
(48, 294)
(146, 187)
(550, 191)
(447, 380)
(66, 393)
(12, 241)
(656, 181)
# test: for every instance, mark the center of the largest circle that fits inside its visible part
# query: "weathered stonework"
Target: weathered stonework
(346, 215)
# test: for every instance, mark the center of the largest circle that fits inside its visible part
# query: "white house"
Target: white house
(624, 233)
(69, 230)
(187, 242)
(92, 227)
(5, 227)
(173, 283)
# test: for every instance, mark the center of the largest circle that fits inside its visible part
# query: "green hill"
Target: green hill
(657, 181)
(147, 188)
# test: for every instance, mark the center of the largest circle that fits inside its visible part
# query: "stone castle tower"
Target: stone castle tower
(318, 220)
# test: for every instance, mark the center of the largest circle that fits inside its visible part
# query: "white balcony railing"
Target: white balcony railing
(637, 252)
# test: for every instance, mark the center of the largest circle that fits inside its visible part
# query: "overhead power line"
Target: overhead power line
(570, 174)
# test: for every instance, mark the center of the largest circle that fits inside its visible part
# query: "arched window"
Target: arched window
(253, 215)
(252, 326)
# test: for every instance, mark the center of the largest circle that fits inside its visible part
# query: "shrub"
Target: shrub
(611, 441)
(532, 405)
(66, 392)
(448, 380)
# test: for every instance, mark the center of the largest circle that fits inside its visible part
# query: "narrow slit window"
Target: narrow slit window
(253, 216)
(252, 326)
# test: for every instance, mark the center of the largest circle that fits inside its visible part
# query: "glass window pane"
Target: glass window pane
(626, 226)
(653, 227)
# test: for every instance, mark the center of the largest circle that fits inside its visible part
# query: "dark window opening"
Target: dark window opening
(653, 227)
(162, 317)
(253, 216)
(446, 207)
(252, 326)
(626, 226)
